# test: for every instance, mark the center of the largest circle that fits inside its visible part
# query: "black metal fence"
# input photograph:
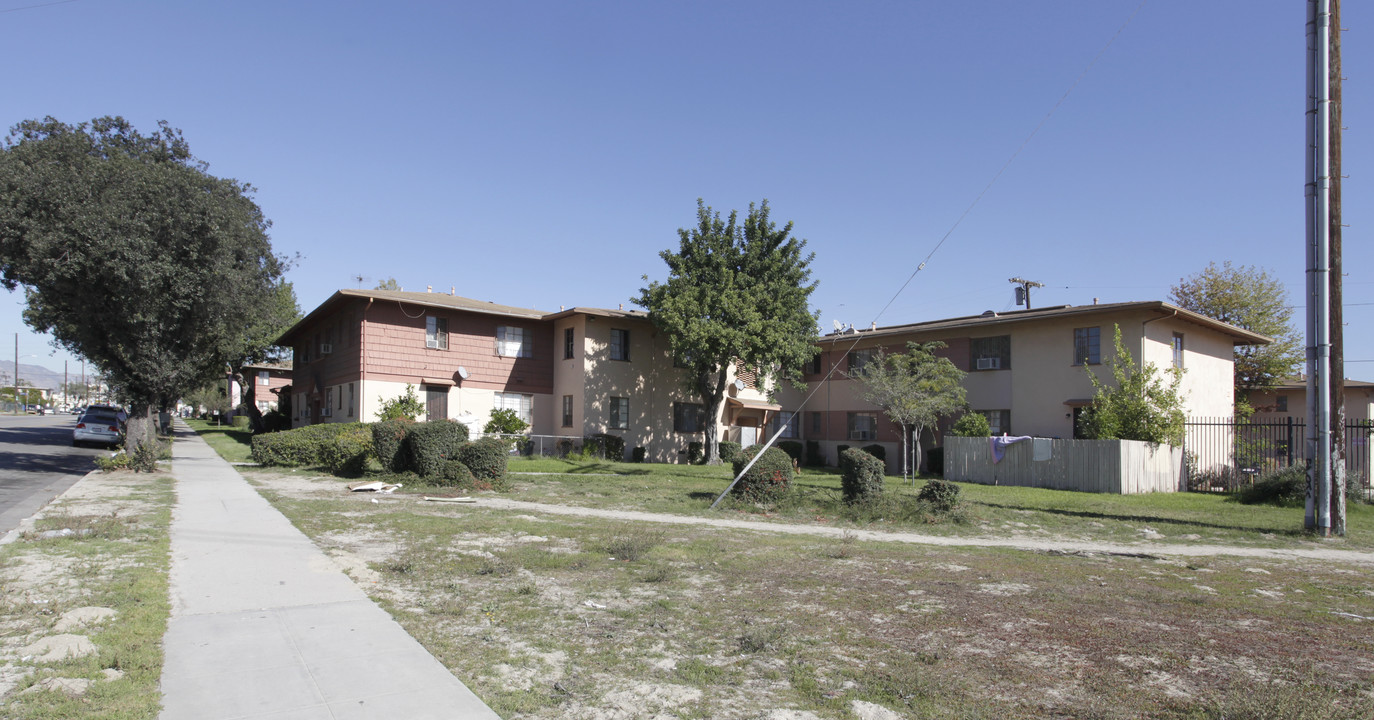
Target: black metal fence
(1222, 453)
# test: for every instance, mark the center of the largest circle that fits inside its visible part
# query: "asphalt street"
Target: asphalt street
(37, 463)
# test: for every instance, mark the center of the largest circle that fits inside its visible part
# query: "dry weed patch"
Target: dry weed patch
(538, 618)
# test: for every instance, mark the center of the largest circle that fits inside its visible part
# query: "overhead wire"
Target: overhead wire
(921, 266)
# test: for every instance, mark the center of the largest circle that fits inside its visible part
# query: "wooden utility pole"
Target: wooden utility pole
(1023, 292)
(1337, 478)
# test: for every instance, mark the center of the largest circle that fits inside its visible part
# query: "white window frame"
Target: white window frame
(620, 344)
(521, 403)
(858, 433)
(436, 332)
(618, 410)
(514, 342)
(793, 430)
(264, 377)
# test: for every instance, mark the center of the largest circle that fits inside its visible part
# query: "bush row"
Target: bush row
(302, 446)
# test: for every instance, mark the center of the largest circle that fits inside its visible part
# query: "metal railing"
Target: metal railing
(1223, 454)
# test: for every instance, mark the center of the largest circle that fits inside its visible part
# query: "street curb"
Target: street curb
(26, 524)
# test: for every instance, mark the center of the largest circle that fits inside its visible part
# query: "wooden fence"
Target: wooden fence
(1106, 466)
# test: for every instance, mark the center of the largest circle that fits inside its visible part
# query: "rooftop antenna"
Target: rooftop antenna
(1023, 290)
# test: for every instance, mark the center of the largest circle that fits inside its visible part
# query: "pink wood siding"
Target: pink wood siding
(396, 349)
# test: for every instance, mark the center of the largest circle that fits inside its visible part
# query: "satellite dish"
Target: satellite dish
(739, 384)
(838, 325)
(462, 373)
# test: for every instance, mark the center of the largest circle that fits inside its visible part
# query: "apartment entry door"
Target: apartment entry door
(436, 402)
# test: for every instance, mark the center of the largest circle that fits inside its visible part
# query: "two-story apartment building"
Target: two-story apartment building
(1027, 369)
(570, 373)
(581, 371)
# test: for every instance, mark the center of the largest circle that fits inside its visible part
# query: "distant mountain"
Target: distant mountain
(36, 375)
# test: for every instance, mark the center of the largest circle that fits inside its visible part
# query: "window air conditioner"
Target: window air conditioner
(991, 363)
(326, 412)
(305, 412)
(326, 348)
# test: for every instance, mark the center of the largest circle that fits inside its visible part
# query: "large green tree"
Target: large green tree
(1250, 298)
(134, 256)
(915, 389)
(735, 292)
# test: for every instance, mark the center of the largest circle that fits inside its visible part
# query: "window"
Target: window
(863, 426)
(688, 417)
(567, 411)
(815, 422)
(990, 353)
(436, 333)
(999, 421)
(350, 399)
(1087, 346)
(1178, 350)
(522, 404)
(264, 377)
(787, 421)
(858, 359)
(620, 344)
(567, 343)
(327, 410)
(513, 342)
(264, 406)
(1281, 403)
(814, 367)
(340, 398)
(620, 413)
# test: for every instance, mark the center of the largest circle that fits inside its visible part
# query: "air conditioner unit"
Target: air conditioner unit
(326, 348)
(991, 363)
(305, 412)
(326, 412)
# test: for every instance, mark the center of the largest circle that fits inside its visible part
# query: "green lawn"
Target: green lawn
(233, 444)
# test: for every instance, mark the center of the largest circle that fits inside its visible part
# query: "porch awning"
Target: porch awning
(1079, 402)
(436, 381)
(752, 404)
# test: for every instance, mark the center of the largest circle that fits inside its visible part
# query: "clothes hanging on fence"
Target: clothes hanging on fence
(1041, 449)
(999, 445)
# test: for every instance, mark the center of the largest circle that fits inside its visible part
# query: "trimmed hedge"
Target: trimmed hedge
(861, 476)
(696, 454)
(639, 454)
(429, 444)
(728, 450)
(941, 494)
(388, 443)
(302, 446)
(768, 480)
(793, 448)
(1285, 488)
(613, 446)
(453, 473)
(346, 453)
(877, 451)
(486, 458)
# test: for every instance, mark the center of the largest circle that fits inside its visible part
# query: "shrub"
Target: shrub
(275, 421)
(839, 450)
(346, 453)
(112, 463)
(768, 480)
(293, 448)
(940, 494)
(565, 448)
(486, 458)
(429, 444)
(453, 473)
(241, 422)
(388, 443)
(696, 455)
(639, 454)
(728, 450)
(406, 406)
(793, 449)
(612, 446)
(861, 475)
(877, 451)
(971, 425)
(1287, 487)
(505, 422)
(814, 456)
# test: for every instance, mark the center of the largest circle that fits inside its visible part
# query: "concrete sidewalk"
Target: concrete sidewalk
(264, 625)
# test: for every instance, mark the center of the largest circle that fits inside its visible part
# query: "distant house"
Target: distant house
(569, 374)
(1027, 369)
(577, 372)
(1289, 399)
(263, 382)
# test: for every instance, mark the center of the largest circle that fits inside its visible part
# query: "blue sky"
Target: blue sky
(541, 154)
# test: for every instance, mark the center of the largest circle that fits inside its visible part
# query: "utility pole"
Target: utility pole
(1337, 333)
(16, 373)
(1023, 290)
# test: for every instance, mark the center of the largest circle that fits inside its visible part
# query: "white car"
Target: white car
(97, 427)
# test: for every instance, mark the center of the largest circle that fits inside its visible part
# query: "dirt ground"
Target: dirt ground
(724, 618)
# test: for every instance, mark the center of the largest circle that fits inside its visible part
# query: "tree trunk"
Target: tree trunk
(138, 429)
(916, 451)
(906, 452)
(714, 394)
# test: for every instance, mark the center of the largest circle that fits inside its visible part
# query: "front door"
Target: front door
(436, 403)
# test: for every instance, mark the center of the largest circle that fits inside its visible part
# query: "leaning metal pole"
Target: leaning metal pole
(1317, 191)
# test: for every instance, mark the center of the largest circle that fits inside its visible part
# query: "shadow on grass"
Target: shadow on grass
(1088, 514)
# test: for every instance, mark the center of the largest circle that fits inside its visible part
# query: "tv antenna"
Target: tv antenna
(1023, 290)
